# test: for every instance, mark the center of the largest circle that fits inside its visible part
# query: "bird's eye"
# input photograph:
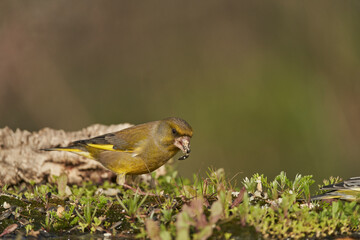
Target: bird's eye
(174, 131)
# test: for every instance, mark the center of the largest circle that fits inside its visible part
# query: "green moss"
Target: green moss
(198, 209)
(12, 200)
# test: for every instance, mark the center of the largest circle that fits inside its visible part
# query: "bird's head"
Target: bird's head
(176, 133)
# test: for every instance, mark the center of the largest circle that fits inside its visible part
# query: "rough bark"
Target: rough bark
(22, 160)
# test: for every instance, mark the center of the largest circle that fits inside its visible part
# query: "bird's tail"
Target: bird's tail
(74, 149)
(343, 194)
(324, 197)
(66, 149)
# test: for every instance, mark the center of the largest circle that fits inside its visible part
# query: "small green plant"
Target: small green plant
(49, 220)
(88, 219)
(28, 228)
(131, 205)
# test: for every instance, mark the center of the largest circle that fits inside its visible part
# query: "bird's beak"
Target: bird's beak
(183, 143)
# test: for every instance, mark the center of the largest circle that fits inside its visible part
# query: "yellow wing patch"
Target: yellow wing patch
(108, 147)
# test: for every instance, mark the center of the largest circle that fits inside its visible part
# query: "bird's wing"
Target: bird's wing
(352, 183)
(126, 140)
(346, 190)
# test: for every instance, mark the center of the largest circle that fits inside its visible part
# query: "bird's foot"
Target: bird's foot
(138, 190)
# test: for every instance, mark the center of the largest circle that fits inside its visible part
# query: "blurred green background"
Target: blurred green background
(266, 85)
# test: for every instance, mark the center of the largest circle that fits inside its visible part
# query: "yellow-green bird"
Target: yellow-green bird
(348, 190)
(138, 149)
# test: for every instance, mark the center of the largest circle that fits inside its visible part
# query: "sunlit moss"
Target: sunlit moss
(179, 208)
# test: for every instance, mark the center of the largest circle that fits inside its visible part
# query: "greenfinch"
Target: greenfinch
(138, 149)
(348, 190)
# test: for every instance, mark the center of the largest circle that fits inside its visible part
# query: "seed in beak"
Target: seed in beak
(183, 143)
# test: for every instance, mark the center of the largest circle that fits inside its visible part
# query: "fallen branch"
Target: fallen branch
(22, 160)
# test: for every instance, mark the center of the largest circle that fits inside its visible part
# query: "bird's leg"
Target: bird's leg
(138, 190)
(121, 180)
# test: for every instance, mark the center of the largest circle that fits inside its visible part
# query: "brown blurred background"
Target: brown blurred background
(267, 86)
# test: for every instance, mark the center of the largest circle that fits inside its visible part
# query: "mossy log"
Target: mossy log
(22, 160)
